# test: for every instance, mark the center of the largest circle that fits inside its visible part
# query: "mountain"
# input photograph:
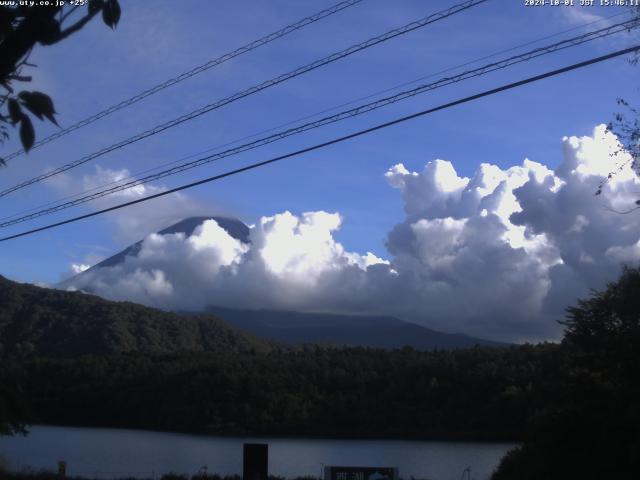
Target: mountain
(38, 321)
(233, 227)
(298, 328)
(351, 330)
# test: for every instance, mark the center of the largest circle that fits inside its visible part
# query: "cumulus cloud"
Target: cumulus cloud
(289, 261)
(591, 239)
(498, 255)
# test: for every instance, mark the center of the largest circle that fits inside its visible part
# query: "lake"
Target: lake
(109, 453)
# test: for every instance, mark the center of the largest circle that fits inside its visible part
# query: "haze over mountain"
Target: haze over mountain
(349, 330)
(297, 327)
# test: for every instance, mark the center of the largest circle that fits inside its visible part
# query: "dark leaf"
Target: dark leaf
(33, 110)
(637, 202)
(48, 30)
(39, 104)
(15, 112)
(27, 135)
(3, 163)
(111, 13)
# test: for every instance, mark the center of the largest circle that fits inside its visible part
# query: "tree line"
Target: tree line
(573, 406)
(479, 393)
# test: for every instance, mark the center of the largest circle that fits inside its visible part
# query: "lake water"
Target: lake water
(109, 453)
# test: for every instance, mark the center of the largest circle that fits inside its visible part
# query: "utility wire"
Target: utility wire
(499, 65)
(334, 141)
(250, 91)
(194, 71)
(306, 117)
(338, 117)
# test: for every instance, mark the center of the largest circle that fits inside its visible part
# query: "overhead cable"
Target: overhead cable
(334, 141)
(194, 71)
(494, 66)
(252, 90)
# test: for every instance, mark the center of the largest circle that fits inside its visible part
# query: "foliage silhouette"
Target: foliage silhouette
(592, 429)
(22, 27)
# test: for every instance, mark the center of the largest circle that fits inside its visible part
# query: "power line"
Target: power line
(194, 71)
(250, 91)
(334, 141)
(335, 118)
(306, 117)
(499, 65)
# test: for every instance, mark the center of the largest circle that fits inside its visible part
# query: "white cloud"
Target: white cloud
(499, 255)
(581, 15)
(579, 225)
(291, 260)
(137, 221)
(77, 268)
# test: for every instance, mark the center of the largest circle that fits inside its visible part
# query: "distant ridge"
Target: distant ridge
(346, 330)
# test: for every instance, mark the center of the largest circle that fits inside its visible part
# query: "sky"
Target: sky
(478, 219)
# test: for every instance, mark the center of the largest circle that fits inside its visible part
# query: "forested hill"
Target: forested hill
(38, 321)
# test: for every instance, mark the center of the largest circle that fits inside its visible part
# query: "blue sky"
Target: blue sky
(157, 39)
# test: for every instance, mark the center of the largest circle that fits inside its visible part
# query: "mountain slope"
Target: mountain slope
(47, 322)
(233, 226)
(352, 330)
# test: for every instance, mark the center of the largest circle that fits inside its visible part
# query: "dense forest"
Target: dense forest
(482, 393)
(43, 322)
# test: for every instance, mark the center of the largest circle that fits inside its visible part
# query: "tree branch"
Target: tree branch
(77, 26)
(64, 17)
(20, 78)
